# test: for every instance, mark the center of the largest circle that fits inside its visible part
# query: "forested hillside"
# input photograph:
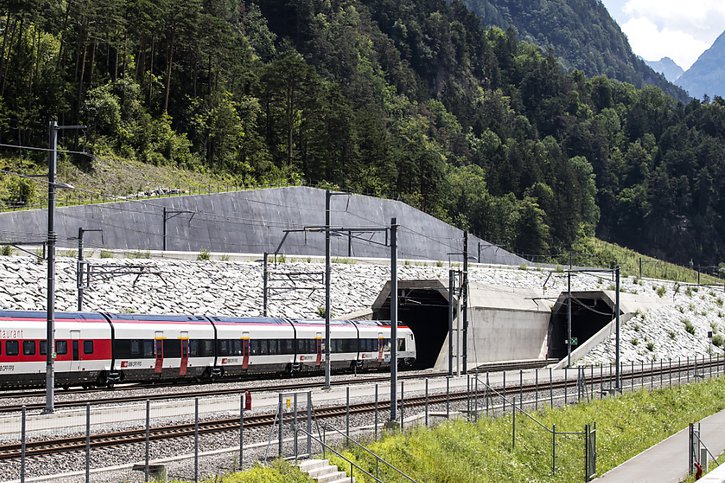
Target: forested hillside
(398, 98)
(580, 32)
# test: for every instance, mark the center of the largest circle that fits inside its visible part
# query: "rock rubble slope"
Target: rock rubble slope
(234, 288)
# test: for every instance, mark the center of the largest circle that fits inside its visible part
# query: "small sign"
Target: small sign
(574, 341)
(709, 334)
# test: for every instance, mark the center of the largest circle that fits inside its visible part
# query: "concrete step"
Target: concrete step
(343, 480)
(334, 476)
(318, 473)
(313, 464)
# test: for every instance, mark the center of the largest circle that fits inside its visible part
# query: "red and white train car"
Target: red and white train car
(82, 347)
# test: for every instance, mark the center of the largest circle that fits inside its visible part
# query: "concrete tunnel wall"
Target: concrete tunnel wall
(252, 222)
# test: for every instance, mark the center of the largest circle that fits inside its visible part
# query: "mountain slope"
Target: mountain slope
(580, 32)
(667, 67)
(707, 74)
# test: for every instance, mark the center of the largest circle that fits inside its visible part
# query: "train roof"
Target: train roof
(42, 314)
(157, 318)
(373, 323)
(249, 320)
(336, 322)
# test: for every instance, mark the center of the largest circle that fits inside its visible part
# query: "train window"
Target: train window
(263, 347)
(349, 345)
(148, 349)
(61, 347)
(237, 347)
(11, 347)
(207, 348)
(135, 348)
(193, 348)
(172, 349)
(88, 347)
(401, 344)
(28, 347)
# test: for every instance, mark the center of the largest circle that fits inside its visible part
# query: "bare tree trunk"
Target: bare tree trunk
(5, 39)
(169, 69)
(83, 66)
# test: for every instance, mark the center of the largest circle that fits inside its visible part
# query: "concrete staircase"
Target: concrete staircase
(323, 472)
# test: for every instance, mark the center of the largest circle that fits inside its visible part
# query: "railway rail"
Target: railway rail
(291, 386)
(111, 439)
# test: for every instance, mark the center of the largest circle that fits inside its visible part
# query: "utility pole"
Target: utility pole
(265, 281)
(393, 319)
(328, 272)
(568, 318)
(464, 291)
(451, 308)
(617, 379)
(53, 129)
(50, 329)
(81, 267)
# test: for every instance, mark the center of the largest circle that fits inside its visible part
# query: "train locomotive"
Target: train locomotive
(100, 349)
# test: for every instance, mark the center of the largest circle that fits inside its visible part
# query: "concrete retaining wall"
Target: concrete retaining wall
(253, 222)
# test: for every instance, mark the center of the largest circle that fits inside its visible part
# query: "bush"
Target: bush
(203, 255)
(689, 328)
(7, 250)
(661, 291)
(672, 334)
(718, 340)
(106, 254)
(650, 346)
(635, 341)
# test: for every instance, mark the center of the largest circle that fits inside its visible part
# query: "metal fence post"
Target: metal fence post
(651, 374)
(641, 371)
(632, 376)
(503, 406)
(566, 386)
(309, 424)
(448, 399)
(591, 378)
(468, 397)
(294, 427)
(536, 385)
(661, 375)
(553, 449)
(280, 429)
(196, 440)
(688, 368)
(426, 401)
(601, 381)
(376, 411)
(347, 415)
(88, 443)
(485, 395)
(475, 397)
(402, 405)
(241, 431)
(513, 424)
(148, 424)
(669, 373)
(22, 444)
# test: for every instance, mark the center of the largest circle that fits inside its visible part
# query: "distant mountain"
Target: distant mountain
(707, 74)
(580, 32)
(666, 67)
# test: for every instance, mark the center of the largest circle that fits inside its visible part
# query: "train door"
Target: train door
(75, 364)
(245, 350)
(380, 347)
(159, 352)
(318, 348)
(184, 363)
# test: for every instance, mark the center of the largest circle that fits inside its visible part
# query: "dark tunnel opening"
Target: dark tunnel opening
(425, 311)
(589, 314)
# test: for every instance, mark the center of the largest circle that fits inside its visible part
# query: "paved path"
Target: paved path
(667, 461)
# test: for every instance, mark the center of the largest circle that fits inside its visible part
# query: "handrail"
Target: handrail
(330, 448)
(706, 448)
(377, 458)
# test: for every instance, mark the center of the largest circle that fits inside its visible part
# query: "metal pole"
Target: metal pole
(393, 318)
(294, 432)
(196, 440)
(148, 428)
(280, 430)
(503, 392)
(328, 273)
(347, 415)
(551, 389)
(22, 444)
(265, 281)
(426, 401)
(241, 431)
(50, 329)
(536, 385)
(163, 244)
(568, 319)
(513, 424)
(451, 308)
(309, 424)
(553, 449)
(521, 388)
(464, 290)
(448, 397)
(376, 411)
(402, 405)
(640, 268)
(618, 375)
(566, 386)
(79, 270)
(88, 443)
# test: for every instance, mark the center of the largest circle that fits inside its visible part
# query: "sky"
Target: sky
(679, 29)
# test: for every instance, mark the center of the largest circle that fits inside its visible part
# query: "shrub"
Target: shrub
(203, 255)
(650, 346)
(718, 301)
(321, 311)
(635, 341)
(672, 334)
(7, 250)
(689, 328)
(523, 266)
(661, 291)
(106, 254)
(718, 340)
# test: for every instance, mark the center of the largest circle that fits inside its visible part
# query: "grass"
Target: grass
(459, 451)
(203, 255)
(594, 252)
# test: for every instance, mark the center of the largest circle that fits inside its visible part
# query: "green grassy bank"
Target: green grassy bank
(458, 451)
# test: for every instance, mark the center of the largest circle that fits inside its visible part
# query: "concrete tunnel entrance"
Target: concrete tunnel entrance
(590, 312)
(422, 306)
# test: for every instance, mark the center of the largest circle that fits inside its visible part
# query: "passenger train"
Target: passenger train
(99, 349)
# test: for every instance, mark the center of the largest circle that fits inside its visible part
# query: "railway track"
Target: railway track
(105, 440)
(292, 386)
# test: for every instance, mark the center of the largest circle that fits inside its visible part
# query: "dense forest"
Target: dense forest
(397, 98)
(581, 33)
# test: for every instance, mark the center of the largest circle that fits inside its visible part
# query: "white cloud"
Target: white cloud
(653, 42)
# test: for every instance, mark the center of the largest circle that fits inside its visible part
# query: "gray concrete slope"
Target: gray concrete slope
(253, 222)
